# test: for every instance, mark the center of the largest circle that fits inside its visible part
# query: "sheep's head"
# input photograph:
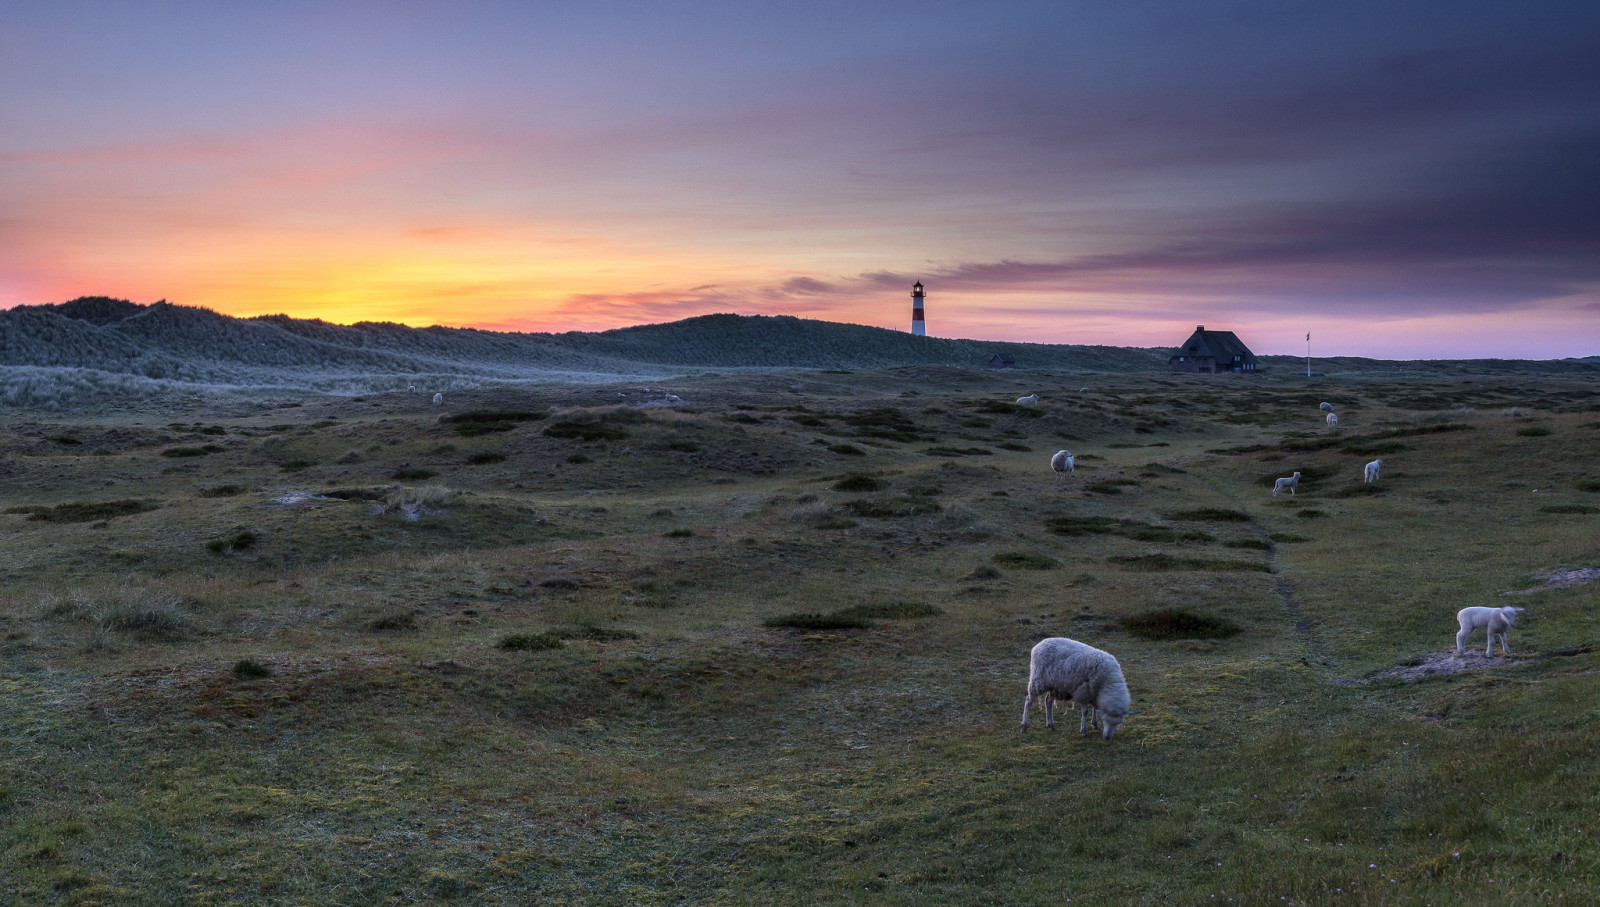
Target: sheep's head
(1110, 720)
(1511, 614)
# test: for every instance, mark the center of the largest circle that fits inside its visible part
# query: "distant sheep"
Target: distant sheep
(1061, 668)
(1031, 398)
(438, 399)
(1325, 407)
(1062, 463)
(411, 388)
(1370, 473)
(1333, 420)
(1491, 621)
(1083, 390)
(1290, 483)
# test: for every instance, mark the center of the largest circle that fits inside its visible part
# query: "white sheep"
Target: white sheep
(1031, 398)
(438, 399)
(1370, 473)
(1061, 668)
(1289, 482)
(1333, 420)
(1063, 463)
(411, 388)
(1325, 407)
(1491, 621)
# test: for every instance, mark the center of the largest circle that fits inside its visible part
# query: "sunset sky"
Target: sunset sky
(1416, 179)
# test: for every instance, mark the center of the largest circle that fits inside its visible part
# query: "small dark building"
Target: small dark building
(1002, 360)
(1213, 352)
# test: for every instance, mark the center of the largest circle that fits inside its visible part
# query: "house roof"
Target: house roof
(1223, 345)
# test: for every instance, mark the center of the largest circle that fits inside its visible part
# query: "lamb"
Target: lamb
(1370, 473)
(1492, 620)
(1031, 398)
(438, 399)
(1325, 407)
(1062, 463)
(1333, 420)
(1061, 668)
(411, 388)
(1289, 482)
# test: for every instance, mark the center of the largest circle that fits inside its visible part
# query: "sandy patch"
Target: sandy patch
(1560, 578)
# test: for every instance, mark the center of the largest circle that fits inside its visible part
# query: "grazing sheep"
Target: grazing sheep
(1062, 463)
(1083, 390)
(1333, 420)
(411, 388)
(1291, 483)
(1491, 620)
(1031, 398)
(1061, 668)
(438, 399)
(1370, 473)
(1325, 407)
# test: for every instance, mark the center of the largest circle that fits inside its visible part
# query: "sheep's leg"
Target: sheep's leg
(1504, 649)
(1489, 652)
(1050, 711)
(1461, 640)
(1025, 704)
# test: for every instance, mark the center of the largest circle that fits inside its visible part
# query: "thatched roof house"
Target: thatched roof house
(1212, 352)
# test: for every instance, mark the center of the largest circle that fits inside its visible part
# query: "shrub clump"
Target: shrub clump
(250, 669)
(1179, 623)
(530, 642)
(235, 542)
(222, 491)
(1210, 515)
(1163, 562)
(485, 421)
(483, 458)
(84, 512)
(857, 617)
(1024, 560)
(192, 451)
(847, 450)
(412, 473)
(857, 481)
(399, 620)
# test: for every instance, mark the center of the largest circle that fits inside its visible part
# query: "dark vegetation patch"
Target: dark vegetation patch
(883, 422)
(1569, 508)
(1152, 533)
(1374, 448)
(684, 533)
(742, 419)
(1253, 544)
(1164, 562)
(856, 481)
(593, 633)
(1001, 407)
(236, 542)
(530, 642)
(250, 669)
(1110, 486)
(395, 621)
(1023, 560)
(412, 473)
(67, 440)
(1362, 489)
(296, 465)
(586, 431)
(959, 452)
(1589, 485)
(486, 421)
(1179, 623)
(853, 618)
(1131, 529)
(886, 508)
(84, 512)
(847, 450)
(356, 494)
(192, 451)
(222, 491)
(1310, 514)
(1534, 431)
(1209, 515)
(1288, 538)
(1012, 445)
(484, 458)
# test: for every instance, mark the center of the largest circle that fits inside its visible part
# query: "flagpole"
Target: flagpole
(1308, 354)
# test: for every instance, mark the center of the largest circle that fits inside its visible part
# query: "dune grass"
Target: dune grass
(702, 663)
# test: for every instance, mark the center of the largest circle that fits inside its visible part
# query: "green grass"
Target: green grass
(84, 512)
(526, 694)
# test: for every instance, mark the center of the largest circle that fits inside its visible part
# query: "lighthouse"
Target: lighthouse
(919, 328)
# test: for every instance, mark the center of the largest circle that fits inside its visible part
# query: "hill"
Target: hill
(54, 353)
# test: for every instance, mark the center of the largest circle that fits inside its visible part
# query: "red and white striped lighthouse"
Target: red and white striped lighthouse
(919, 327)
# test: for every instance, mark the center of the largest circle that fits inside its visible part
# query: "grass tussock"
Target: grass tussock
(1209, 515)
(85, 512)
(1179, 623)
(1026, 560)
(489, 421)
(1160, 562)
(530, 642)
(856, 617)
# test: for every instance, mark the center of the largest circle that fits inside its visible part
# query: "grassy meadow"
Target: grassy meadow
(765, 642)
